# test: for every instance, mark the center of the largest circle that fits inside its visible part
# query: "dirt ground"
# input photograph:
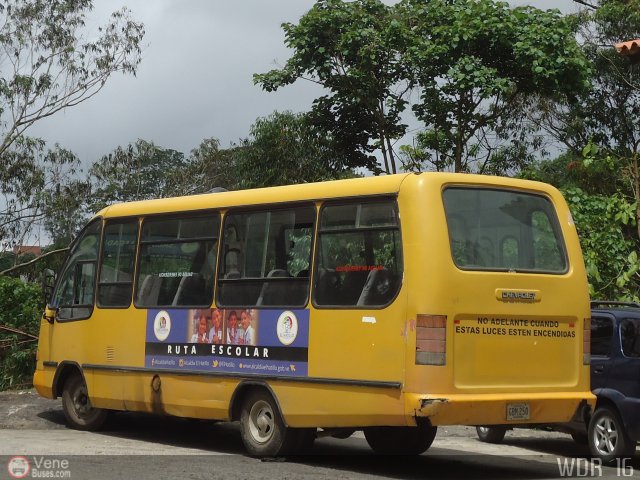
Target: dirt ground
(25, 409)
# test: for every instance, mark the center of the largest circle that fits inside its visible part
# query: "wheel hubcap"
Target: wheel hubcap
(81, 401)
(261, 422)
(606, 436)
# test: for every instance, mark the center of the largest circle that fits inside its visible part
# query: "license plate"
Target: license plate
(517, 411)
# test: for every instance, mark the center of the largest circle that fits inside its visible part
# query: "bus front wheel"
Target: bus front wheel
(400, 440)
(78, 411)
(263, 431)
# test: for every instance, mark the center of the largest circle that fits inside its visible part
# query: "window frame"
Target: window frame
(91, 307)
(264, 208)
(332, 230)
(191, 214)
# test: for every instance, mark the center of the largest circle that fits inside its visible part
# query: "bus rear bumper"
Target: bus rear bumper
(491, 409)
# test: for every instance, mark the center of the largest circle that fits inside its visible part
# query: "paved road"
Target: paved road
(145, 447)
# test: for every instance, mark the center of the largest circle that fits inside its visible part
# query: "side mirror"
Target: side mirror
(49, 314)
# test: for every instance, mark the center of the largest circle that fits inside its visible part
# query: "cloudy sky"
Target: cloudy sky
(195, 79)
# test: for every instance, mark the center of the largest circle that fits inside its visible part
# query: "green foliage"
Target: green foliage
(572, 170)
(352, 50)
(601, 125)
(52, 66)
(20, 309)
(477, 65)
(605, 225)
(207, 167)
(287, 148)
(49, 66)
(140, 171)
(39, 185)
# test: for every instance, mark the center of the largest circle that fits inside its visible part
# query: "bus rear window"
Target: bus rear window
(503, 230)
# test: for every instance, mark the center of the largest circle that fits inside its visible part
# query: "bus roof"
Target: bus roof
(354, 187)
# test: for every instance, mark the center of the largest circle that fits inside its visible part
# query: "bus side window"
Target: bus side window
(115, 283)
(177, 261)
(267, 253)
(359, 260)
(75, 290)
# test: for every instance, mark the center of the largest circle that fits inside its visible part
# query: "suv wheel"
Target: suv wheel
(491, 434)
(607, 437)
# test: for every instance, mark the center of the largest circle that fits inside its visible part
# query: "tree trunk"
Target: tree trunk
(392, 158)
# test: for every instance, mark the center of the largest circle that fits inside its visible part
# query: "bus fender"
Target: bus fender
(236, 398)
(65, 369)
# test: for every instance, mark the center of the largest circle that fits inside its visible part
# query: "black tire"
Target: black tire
(263, 431)
(78, 411)
(400, 440)
(607, 437)
(491, 434)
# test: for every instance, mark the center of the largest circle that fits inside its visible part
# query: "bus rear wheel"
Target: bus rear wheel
(400, 440)
(263, 431)
(78, 411)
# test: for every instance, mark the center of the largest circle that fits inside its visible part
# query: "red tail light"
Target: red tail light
(431, 339)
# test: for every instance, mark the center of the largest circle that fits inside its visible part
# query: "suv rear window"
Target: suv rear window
(503, 230)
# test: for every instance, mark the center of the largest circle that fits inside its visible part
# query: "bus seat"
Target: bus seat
(274, 293)
(378, 288)
(191, 290)
(327, 288)
(149, 291)
(232, 263)
(352, 285)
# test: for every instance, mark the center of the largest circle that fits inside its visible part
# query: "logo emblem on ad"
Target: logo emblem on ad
(287, 327)
(162, 325)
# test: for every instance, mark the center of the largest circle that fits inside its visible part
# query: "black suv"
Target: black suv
(614, 428)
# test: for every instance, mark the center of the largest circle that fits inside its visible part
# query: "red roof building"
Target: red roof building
(631, 49)
(22, 249)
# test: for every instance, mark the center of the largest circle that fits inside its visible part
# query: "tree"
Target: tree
(605, 225)
(20, 308)
(287, 148)
(600, 128)
(140, 171)
(207, 167)
(48, 66)
(33, 188)
(477, 65)
(352, 50)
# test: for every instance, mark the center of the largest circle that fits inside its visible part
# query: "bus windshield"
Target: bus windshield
(503, 230)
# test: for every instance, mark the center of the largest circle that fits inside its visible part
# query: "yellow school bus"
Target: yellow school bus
(390, 305)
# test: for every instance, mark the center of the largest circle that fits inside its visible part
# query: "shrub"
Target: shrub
(20, 310)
